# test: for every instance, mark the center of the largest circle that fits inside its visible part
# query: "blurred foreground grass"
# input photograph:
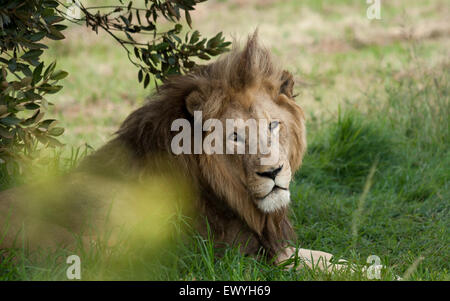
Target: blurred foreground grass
(375, 92)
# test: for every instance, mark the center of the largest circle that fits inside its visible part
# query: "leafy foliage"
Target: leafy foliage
(24, 80)
(167, 52)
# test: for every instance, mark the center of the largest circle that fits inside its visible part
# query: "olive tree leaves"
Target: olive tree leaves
(151, 34)
(25, 80)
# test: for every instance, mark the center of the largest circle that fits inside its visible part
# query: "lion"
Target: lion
(243, 202)
(238, 201)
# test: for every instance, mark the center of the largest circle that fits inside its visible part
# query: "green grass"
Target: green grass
(381, 106)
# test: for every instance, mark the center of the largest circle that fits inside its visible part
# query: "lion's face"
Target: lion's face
(266, 174)
(262, 176)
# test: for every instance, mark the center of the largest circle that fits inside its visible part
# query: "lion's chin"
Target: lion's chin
(277, 199)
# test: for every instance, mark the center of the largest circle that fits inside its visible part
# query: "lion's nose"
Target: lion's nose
(270, 173)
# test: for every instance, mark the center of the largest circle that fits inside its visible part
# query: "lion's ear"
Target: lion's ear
(194, 102)
(287, 84)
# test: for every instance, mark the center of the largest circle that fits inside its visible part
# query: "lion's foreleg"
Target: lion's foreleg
(310, 258)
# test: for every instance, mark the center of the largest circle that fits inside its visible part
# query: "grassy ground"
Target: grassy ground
(376, 94)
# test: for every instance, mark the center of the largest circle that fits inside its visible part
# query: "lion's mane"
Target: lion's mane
(232, 217)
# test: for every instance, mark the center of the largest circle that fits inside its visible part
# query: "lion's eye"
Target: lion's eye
(235, 137)
(273, 125)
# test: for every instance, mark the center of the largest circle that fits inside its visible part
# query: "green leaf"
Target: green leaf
(136, 52)
(55, 34)
(30, 95)
(188, 18)
(37, 73)
(10, 120)
(125, 20)
(203, 56)
(33, 119)
(52, 142)
(32, 106)
(178, 28)
(53, 19)
(147, 80)
(60, 27)
(50, 3)
(56, 131)
(37, 36)
(58, 75)
(50, 89)
(49, 69)
(195, 37)
(48, 123)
